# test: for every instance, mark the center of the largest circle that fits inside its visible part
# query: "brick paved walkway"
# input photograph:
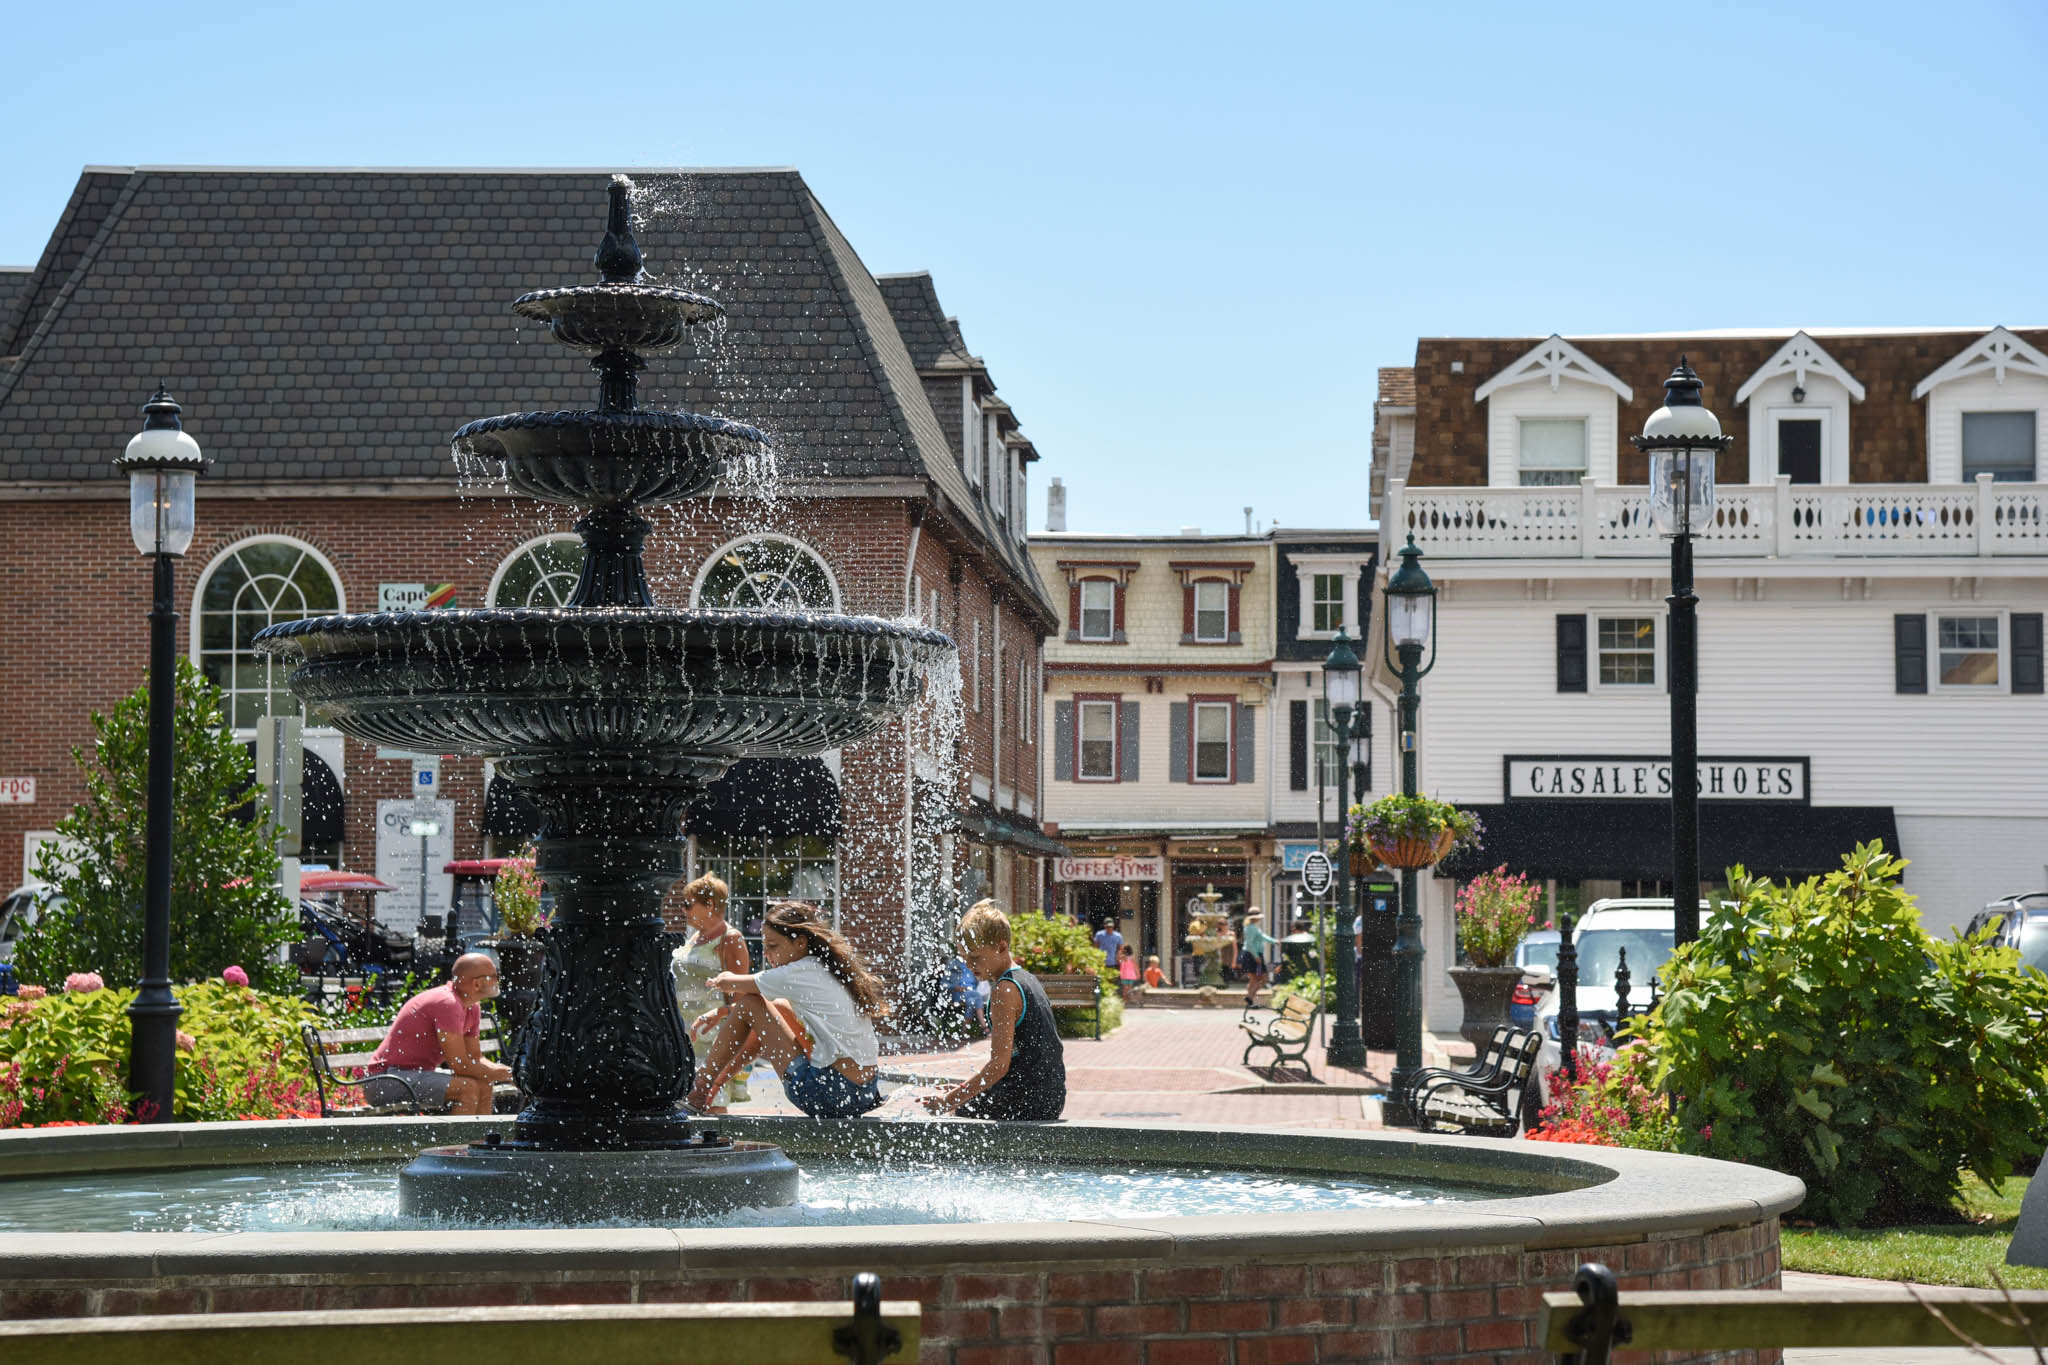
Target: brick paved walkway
(1160, 1065)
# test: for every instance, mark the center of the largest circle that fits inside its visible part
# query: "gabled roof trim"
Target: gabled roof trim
(1556, 360)
(1799, 357)
(1997, 351)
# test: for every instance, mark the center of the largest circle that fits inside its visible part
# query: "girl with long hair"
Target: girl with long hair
(810, 1014)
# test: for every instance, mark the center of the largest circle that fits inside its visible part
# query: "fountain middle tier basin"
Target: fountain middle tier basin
(633, 682)
(584, 458)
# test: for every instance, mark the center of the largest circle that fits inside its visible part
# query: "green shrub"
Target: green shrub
(64, 1057)
(1313, 986)
(226, 909)
(1819, 1030)
(1044, 943)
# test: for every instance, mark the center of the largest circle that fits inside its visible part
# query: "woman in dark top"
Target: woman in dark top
(1026, 1073)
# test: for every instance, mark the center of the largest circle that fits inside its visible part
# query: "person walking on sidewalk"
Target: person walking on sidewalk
(1025, 1076)
(1252, 951)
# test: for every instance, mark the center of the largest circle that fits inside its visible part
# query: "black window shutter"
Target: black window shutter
(1364, 722)
(1571, 653)
(1063, 741)
(1909, 653)
(1127, 741)
(1177, 741)
(1246, 753)
(1297, 746)
(2026, 652)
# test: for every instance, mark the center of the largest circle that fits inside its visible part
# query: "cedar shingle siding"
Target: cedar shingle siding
(1887, 431)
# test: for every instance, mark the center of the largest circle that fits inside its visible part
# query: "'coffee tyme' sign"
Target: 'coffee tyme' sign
(1608, 777)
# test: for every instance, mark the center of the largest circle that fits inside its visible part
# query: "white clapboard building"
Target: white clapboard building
(1871, 588)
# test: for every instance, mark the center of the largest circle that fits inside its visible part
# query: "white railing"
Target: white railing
(1779, 520)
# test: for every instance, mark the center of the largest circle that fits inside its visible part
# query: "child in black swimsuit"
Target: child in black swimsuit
(1026, 1073)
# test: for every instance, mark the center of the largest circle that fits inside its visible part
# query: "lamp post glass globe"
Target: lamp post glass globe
(1411, 600)
(1681, 438)
(1341, 674)
(162, 464)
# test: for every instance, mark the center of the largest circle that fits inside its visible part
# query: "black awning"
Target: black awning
(983, 821)
(1631, 840)
(509, 816)
(768, 798)
(320, 801)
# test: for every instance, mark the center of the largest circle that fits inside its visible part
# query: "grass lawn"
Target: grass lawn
(1964, 1253)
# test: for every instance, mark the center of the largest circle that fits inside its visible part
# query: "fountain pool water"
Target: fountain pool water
(835, 1191)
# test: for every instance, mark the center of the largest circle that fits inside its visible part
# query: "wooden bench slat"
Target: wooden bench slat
(618, 1334)
(1738, 1319)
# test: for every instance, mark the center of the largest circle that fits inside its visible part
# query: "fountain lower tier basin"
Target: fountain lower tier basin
(479, 1183)
(619, 686)
(585, 458)
(1419, 1282)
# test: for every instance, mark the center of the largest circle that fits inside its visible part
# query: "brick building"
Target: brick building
(1872, 589)
(326, 330)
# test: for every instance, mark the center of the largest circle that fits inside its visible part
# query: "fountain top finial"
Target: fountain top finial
(618, 258)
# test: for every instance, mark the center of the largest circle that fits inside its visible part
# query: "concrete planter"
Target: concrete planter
(1485, 992)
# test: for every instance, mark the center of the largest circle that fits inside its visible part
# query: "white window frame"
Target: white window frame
(519, 553)
(1221, 585)
(1081, 709)
(1832, 466)
(1323, 746)
(1585, 425)
(196, 624)
(1986, 410)
(1316, 602)
(1195, 710)
(1021, 502)
(1956, 611)
(1081, 626)
(970, 432)
(717, 557)
(1657, 646)
(998, 476)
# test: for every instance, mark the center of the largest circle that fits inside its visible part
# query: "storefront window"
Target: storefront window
(763, 871)
(255, 585)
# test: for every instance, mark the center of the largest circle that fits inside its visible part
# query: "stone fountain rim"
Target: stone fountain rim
(1610, 1195)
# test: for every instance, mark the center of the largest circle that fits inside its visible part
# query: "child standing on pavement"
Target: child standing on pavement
(1026, 1073)
(1127, 970)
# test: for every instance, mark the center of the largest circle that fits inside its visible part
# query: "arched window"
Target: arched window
(540, 573)
(767, 573)
(255, 584)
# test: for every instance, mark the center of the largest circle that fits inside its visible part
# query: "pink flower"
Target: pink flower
(186, 1042)
(235, 976)
(31, 993)
(83, 983)
(1708, 1132)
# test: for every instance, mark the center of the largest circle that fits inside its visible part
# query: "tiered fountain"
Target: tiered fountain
(610, 715)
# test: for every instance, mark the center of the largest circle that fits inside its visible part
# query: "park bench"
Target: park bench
(1074, 990)
(332, 1053)
(864, 1331)
(1583, 1327)
(1485, 1097)
(1286, 1032)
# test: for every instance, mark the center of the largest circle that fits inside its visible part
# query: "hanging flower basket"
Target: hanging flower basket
(1363, 862)
(1425, 851)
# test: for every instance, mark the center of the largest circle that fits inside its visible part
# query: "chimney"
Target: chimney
(1247, 521)
(1056, 506)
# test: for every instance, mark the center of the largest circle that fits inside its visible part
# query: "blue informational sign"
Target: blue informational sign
(1292, 854)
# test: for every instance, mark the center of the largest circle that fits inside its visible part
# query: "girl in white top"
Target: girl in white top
(713, 946)
(810, 1014)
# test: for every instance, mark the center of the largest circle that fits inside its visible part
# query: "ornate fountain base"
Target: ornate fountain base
(515, 1183)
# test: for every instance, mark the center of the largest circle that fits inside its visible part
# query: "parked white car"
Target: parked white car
(1644, 930)
(23, 906)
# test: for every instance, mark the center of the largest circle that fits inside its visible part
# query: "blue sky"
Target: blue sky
(1184, 236)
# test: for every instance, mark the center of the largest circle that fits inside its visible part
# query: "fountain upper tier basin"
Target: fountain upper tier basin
(632, 682)
(586, 458)
(641, 316)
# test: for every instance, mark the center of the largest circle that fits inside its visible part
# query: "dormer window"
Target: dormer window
(1799, 405)
(2000, 444)
(1212, 612)
(998, 479)
(1327, 602)
(1210, 592)
(1552, 451)
(1098, 609)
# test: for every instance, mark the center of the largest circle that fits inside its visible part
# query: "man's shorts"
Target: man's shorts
(429, 1089)
(823, 1092)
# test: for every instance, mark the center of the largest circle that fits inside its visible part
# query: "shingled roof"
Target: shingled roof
(933, 338)
(13, 284)
(336, 325)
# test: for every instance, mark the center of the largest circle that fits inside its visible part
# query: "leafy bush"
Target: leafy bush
(225, 905)
(64, 1058)
(1053, 943)
(1495, 913)
(1614, 1103)
(1819, 1030)
(1314, 987)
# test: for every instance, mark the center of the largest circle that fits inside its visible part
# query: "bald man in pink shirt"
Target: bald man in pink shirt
(432, 1053)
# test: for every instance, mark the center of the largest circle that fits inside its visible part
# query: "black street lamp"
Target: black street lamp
(1341, 692)
(1682, 438)
(1411, 630)
(162, 464)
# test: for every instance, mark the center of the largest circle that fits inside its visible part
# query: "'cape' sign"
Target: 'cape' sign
(1610, 777)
